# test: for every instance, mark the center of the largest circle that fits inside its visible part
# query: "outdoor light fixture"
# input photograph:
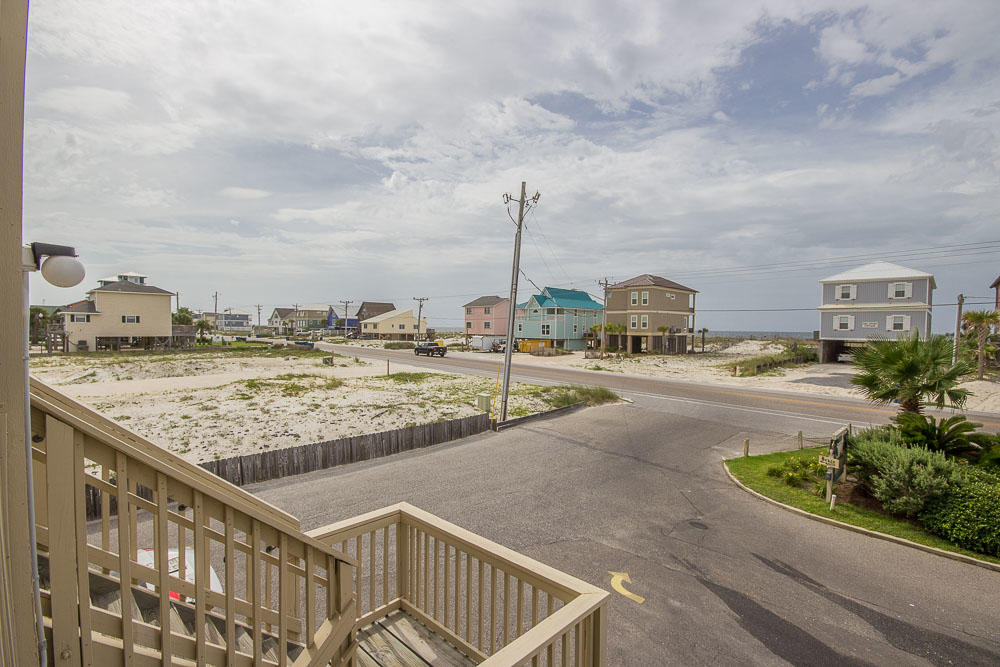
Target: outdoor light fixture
(62, 269)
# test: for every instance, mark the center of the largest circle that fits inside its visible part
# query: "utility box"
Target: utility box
(483, 402)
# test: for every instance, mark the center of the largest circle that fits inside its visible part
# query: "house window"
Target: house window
(468, 325)
(130, 319)
(635, 298)
(416, 327)
(635, 321)
(487, 310)
(847, 292)
(671, 295)
(900, 291)
(645, 298)
(486, 325)
(468, 311)
(518, 328)
(844, 322)
(403, 326)
(79, 318)
(546, 330)
(575, 329)
(550, 311)
(898, 322)
(645, 321)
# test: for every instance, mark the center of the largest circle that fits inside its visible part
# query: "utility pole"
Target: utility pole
(420, 309)
(509, 347)
(215, 309)
(348, 302)
(604, 312)
(958, 329)
(259, 306)
(295, 318)
(178, 296)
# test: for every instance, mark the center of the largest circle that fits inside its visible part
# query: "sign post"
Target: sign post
(835, 459)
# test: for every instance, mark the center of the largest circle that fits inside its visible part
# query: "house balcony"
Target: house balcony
(145, 558)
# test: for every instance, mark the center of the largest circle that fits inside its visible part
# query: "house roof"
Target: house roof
(485, 301)
(554, 297)
(85, 306)
(391, 314)
(649, 280)
(318, 307)
(996, 282)
(376, 307)
(282, 313)
(126, 286)
(51, 310)
(879, 271)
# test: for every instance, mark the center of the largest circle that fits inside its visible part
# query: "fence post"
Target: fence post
(746, 447)
(800, 439)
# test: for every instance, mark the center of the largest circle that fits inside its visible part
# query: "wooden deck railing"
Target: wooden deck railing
(496, 605)
(190, 567)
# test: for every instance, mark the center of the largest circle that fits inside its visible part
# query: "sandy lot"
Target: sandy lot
(215, 405)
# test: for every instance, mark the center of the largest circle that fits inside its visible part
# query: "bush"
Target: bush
(955, 436)
(562, 397)
(398, 345)
(904, 479)
(968, 516)
(797, 472)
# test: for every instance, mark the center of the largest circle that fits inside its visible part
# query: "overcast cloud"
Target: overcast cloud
(314, 152)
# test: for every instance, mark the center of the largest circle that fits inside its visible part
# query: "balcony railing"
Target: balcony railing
(180, 566)
(497, 606)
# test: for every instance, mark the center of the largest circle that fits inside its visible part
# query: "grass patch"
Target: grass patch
(398, 345)
(294, 389)
(407, 378)
(752, 471)
(764, 363)
(560, 397)
(333, 383)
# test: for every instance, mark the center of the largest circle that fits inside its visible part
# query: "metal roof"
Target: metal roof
(879, 271)
(134, 288)
(554, 297)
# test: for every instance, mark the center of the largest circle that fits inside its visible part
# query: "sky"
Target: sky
(312, 152)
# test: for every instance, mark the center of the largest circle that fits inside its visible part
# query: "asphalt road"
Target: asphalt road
(834, 411)
(727, 578)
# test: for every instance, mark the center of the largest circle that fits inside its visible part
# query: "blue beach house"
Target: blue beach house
(564, 317)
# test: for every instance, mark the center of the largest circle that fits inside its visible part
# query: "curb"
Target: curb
(864, 531)
(517, 421)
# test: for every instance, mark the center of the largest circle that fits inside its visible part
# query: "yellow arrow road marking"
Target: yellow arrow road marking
(616, 583)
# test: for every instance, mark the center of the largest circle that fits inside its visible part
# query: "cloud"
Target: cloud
(234, 192)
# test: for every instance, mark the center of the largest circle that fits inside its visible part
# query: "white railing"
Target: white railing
(495, 605)
(180, 565)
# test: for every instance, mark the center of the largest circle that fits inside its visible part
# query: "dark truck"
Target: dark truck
(430, 348)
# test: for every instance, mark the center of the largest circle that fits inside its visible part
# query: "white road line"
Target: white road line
(765, 411)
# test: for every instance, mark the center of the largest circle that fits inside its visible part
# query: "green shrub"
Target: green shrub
(989, 458)
(904, 479)
(968, 516)
(398, 345)
(797, 472)
(562, 397)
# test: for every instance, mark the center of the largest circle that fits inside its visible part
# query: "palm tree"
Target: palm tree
(664, 331)
(202, 327)
(703, 331)
(911, 370)
(616, 329)
(982, 322)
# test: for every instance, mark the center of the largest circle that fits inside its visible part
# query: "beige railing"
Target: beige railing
(496, 605)
(180, 565)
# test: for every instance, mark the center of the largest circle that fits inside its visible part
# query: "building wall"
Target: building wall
(661, 310)
(399, 327)
(567, 325)
(478, 318)
(153, 311)
(877, 291)
(920, 319)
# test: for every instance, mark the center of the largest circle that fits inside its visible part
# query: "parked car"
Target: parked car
(430, 348)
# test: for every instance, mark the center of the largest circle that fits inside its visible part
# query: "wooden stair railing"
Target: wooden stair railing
(182, 567)
(496, 606)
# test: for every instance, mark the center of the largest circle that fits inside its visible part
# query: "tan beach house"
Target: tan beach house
(394, 325)
(122, 313)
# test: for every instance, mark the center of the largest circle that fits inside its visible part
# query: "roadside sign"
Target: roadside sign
(829, 461)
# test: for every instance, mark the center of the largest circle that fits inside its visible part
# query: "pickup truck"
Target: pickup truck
(430, 348)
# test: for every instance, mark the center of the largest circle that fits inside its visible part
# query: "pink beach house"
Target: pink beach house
(487, 316)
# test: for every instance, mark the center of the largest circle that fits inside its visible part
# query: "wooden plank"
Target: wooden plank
(387, 648)
(284, 591)
(255, 600)
(230, 587)
(163, 566)
(424, 642)
(83, 576)
(371, 570)
(200, 577)
(64, 583)
(310, 585)
(124, 562)
(385, 565)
